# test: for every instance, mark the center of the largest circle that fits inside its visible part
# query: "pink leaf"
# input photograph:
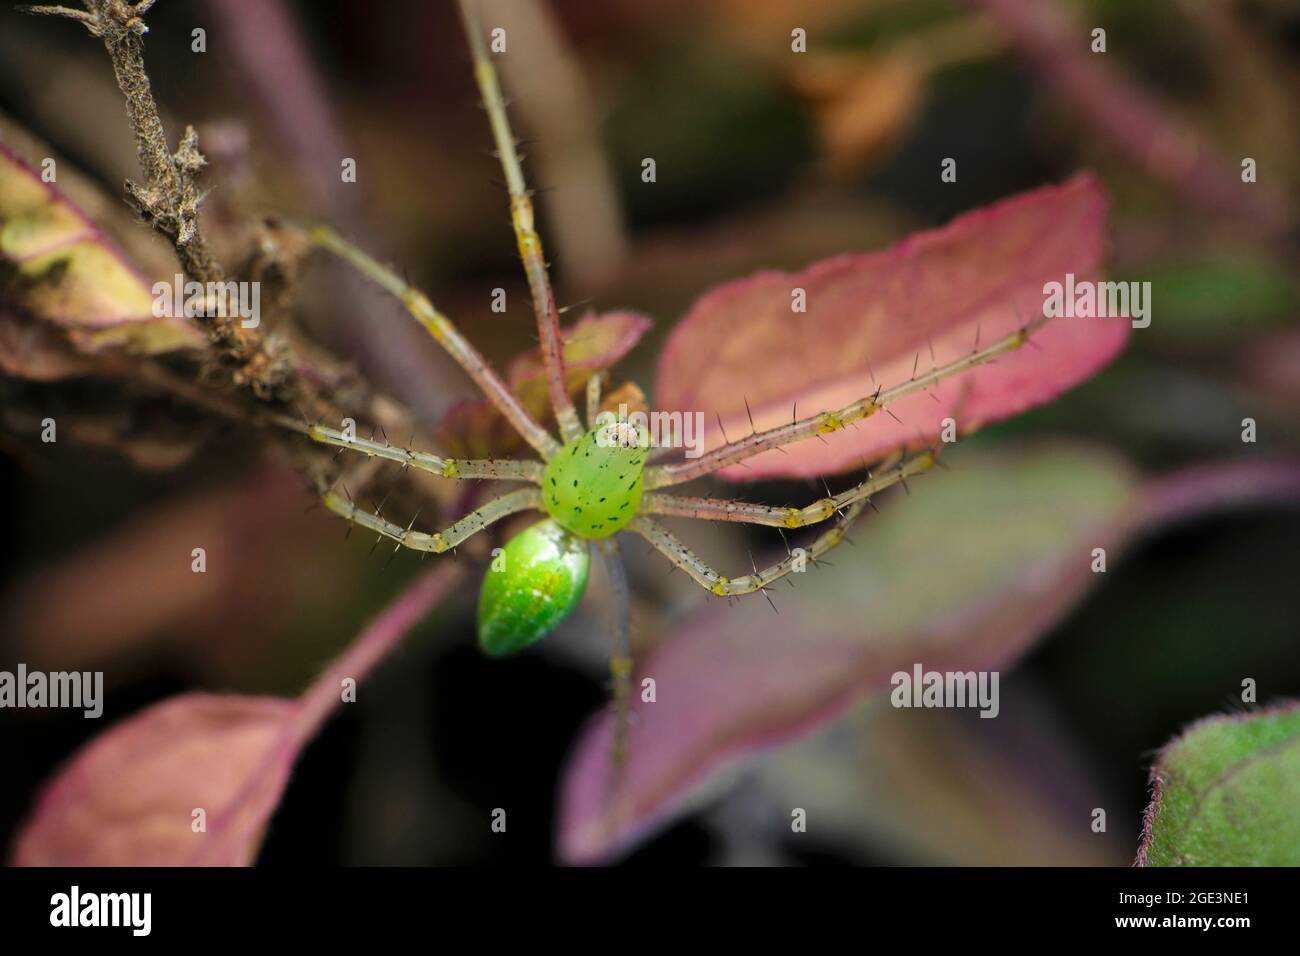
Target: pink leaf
(475, 429)
(128, 797)
(976, 566)
(122, 592)
(593, 343)
(872, 318)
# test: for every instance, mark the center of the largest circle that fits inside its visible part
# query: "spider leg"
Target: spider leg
(726, 509)
(526, 237)
(445, 334)
(440, 541)
(593, 400)
(620, 660)
(681, 556)
(662, 476)
(505, 469)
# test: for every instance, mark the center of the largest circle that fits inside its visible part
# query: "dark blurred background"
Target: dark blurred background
(760, 164)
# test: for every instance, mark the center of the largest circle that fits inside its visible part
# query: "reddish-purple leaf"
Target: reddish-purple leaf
(475, 429)
(875, 318)
(120, 593)
(976, 566)
(128, 798)
(937, 788)
(593, 343)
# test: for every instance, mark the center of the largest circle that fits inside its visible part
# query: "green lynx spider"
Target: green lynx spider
(593, 481)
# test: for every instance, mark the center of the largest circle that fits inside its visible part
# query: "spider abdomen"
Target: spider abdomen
(592, 486)
(532, 585)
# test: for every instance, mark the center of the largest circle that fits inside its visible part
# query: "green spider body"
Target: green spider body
(591, 489)
(533, 584)
(593, 486)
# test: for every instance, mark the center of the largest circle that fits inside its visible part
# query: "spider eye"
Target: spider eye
(621, 435)
(532, 585)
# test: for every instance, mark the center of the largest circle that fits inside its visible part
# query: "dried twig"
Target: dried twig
(168, 197)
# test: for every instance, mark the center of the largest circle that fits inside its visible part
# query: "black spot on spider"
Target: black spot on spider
(624, 505)
(574, 452)
(602, 499)
(575, 482)
(552, 481)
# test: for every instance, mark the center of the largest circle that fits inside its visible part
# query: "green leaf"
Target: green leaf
(59, 267)
(1218, 299)
(1226, 793)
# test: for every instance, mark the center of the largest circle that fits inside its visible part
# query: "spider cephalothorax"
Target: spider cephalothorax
(593, 486)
